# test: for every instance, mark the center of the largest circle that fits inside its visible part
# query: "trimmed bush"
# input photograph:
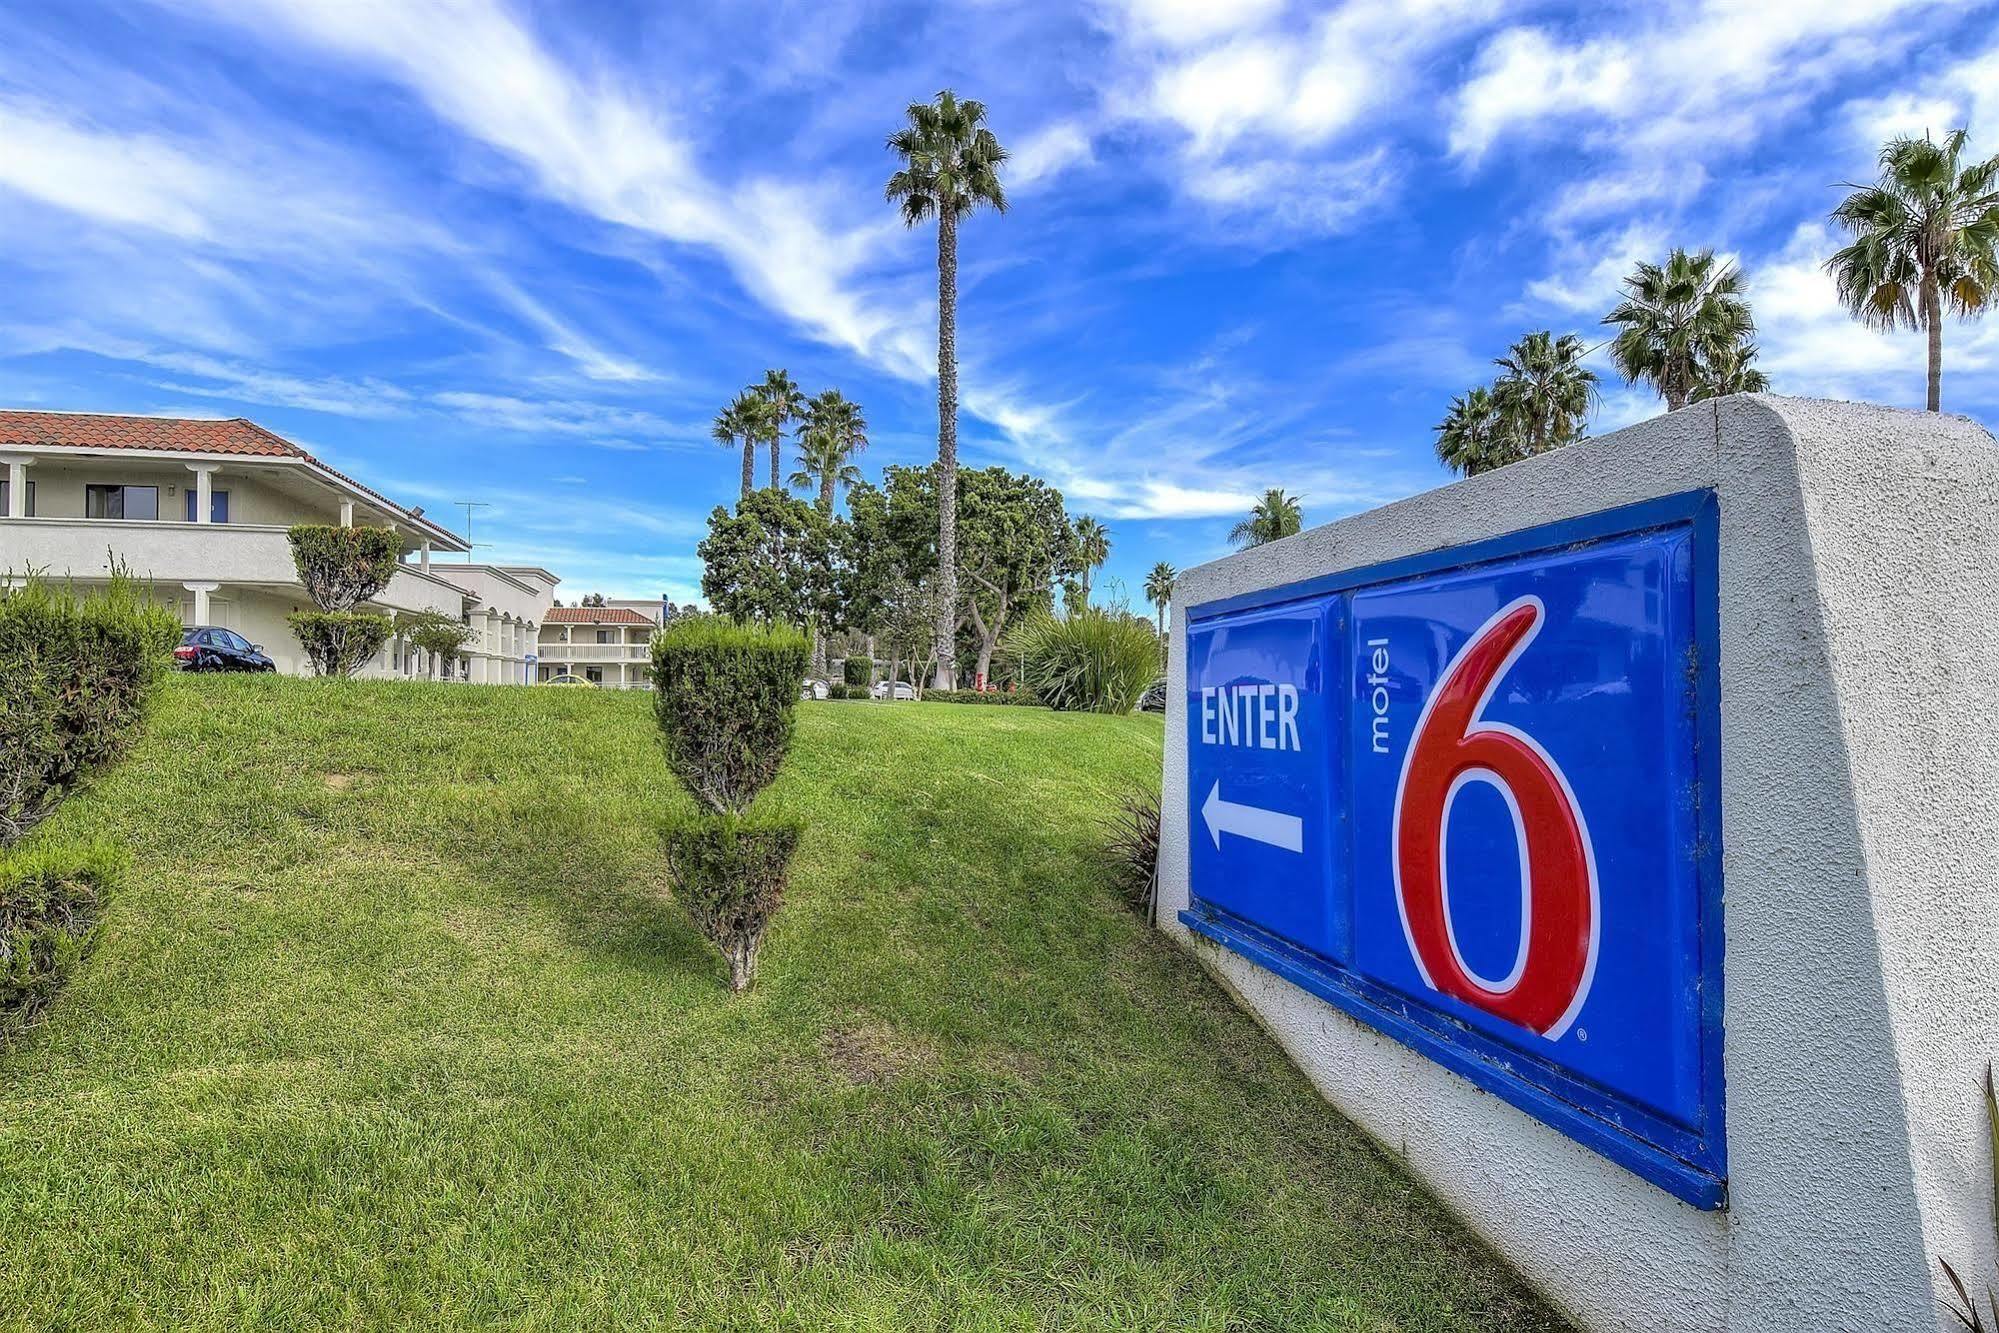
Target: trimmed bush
(848, 692)
(76, 675)
(50, 906)
(731, 874)
(725, 695)
(1094, 661)
(343, 567)
(859, 671)
(1020, 698)
(339, 643)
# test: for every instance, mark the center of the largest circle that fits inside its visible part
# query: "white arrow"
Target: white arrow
(1249, 821)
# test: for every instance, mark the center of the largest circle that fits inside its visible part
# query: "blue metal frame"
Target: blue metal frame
(1690, 1165)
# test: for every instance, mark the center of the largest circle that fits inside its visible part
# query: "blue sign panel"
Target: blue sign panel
(1472, 798)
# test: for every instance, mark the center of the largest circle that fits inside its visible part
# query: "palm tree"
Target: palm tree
(740, 421)
(1092, 545)
(1544, 393)
(1732, 373)
(834, 431)
(950, 166)
(1275, 516)
(1159, 591)
(784, 401)
(1674, 319)
(1924, 241)
(1473, 436)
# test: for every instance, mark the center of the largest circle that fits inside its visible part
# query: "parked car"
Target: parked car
(903, 690)
(212, 648)
(813, 689)
(1154, 698)
(567, 679)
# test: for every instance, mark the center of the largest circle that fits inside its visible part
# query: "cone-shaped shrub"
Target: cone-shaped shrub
(858, 671)
(732, 872)
(725, 694)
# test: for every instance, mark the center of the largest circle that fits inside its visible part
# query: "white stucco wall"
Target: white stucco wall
(1859, 588)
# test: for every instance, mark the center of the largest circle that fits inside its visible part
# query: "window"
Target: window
(606, 636)
(218, 505)
(128, 502)
(595, 675)
(6, 498)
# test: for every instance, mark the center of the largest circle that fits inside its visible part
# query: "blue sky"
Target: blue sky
(520, 254)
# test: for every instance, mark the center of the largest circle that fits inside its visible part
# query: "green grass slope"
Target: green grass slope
(395, 1024)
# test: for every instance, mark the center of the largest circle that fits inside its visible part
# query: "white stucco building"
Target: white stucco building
(609, 646)
(200, 508)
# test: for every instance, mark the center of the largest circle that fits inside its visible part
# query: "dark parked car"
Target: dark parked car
(207, 648)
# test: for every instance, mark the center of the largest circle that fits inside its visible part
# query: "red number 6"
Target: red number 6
(1558, 900)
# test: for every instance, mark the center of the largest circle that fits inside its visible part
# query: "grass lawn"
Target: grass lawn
(395, 1024)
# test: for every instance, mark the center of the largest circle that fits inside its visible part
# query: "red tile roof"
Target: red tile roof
(95, 430)
(594, 615)
(88, 430)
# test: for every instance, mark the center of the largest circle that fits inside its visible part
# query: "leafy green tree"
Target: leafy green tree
(742, 421)
(1544, 392)
(1675, 320)
(1735, 372)
(1013, 538)
(950, 166)
(1925, 241)
(1159, 591)
(1473, 435)
(783, 402)
(1272, 518)
(833, 433)
(771, 561)
(439, 637)
(1092, 544)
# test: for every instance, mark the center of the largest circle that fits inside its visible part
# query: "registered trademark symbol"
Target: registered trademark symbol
(1582, 1034)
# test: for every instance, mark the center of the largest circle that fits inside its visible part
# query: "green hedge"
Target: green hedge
(51, 904)
(1018, 698)
(858, 671)
(76, 674)
(849, 692)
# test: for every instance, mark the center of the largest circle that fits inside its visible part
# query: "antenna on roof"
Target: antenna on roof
(468, 506)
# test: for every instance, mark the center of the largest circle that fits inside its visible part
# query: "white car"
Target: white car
(903, 690)
(813, 689)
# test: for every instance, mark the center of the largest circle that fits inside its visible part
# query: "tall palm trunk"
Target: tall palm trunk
(947, 448)
(1933, 319)
(776, 443)
(826, 495)
(749, 465)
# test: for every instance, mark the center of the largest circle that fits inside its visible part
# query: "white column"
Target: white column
(17, 487)
(346, 513)
(424, 562)
(201, 591)
(204, 489)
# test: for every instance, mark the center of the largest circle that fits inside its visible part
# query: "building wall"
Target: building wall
(59, 491)
(1859, 586)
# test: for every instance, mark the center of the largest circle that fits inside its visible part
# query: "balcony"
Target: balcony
(169, 554)
(594, 653)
